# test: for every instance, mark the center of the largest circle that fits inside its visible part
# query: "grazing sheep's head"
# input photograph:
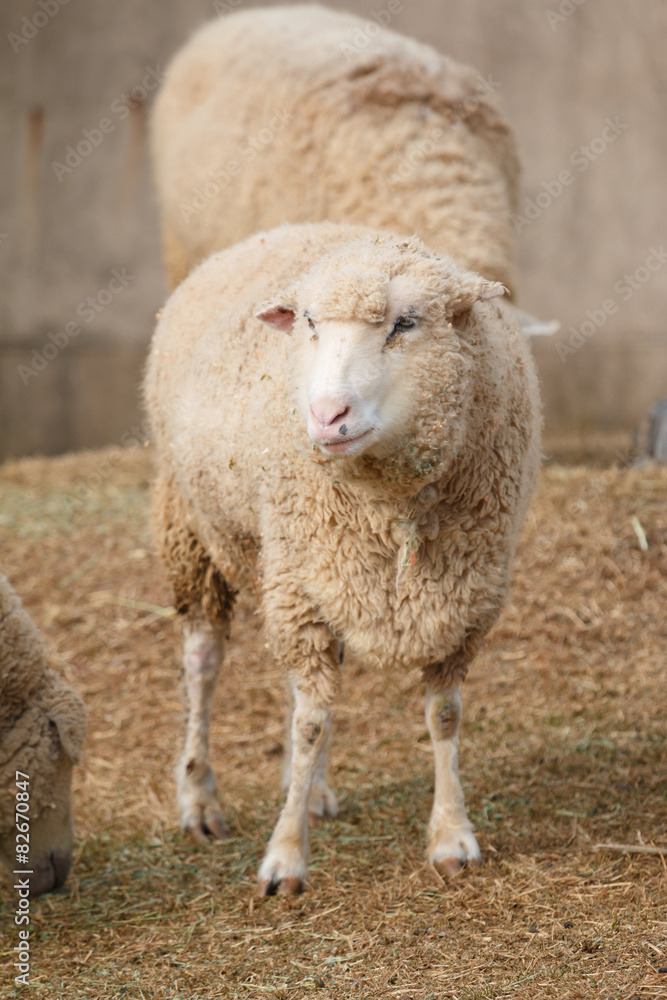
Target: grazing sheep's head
(45, 742)
(371, 322)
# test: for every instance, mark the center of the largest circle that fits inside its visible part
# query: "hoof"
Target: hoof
(449, 867)
(205, 828)
(454, 850)
(216, 828)
(289, 886)
(201, 815)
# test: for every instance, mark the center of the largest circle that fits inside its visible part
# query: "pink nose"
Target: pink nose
(328, 412)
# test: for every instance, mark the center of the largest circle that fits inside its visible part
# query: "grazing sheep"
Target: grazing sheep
(304, 114)
(370, 465)
(42, 729)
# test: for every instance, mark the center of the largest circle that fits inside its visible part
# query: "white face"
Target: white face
(360, 382)
(356, 394)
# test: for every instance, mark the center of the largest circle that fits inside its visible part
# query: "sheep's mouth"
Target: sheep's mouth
(344, 445)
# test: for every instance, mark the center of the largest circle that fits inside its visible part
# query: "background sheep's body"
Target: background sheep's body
(42, 728)
(405, 558)
(296, 114)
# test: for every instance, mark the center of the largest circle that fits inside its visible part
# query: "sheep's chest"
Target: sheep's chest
(392, 594)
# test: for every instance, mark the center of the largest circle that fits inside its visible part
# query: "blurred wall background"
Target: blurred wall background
(584, 83)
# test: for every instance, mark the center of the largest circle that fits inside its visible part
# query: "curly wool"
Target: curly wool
(32, 695)
(277, 115)
(405, 557)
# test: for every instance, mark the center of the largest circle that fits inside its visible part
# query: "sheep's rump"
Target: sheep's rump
(298, 114)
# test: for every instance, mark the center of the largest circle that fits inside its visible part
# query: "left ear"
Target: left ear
(68, 714)
(280, 315)
(465, 293)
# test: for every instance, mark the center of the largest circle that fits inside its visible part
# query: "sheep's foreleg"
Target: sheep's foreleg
(322, 803)
(451, 840)
(283, 869)
(196, 785)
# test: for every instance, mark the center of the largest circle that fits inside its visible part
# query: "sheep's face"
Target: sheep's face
(356, 390)
(55, 729)
(364, 338)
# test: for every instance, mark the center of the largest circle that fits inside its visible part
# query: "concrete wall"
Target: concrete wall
(561, 69)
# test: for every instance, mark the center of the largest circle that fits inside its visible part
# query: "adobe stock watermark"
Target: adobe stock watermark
(566, 9)
(22, 885)
(137, 436)
(220, 179)
(87, 310)
(624, 289)
(370, 29)
(31, 26)
(580, 158)
(419, 150)
(120, 109)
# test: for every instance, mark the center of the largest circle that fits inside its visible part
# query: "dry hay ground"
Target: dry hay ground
(563, 747)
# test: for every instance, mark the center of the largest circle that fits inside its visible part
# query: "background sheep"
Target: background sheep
(379, 461)
(42, 729)
(313, 120)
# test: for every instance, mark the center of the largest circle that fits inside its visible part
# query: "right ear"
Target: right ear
(281, 316)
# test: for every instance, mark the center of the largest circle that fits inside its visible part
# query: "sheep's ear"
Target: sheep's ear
(532, 327)
(466, 294)
(280, 316)
(68, 715)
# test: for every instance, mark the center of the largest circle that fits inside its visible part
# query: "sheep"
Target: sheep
(304, 114)
(368, 468)
(42, 729)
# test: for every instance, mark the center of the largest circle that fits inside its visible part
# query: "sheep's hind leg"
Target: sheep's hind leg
(452, 843)
(196, 786)
(322, 803)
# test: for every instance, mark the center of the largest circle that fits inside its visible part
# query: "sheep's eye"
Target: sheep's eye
(311, 324)
(402, 324)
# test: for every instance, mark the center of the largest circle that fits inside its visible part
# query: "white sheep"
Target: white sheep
(304, 114)
(42, 729)
(371, 465)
